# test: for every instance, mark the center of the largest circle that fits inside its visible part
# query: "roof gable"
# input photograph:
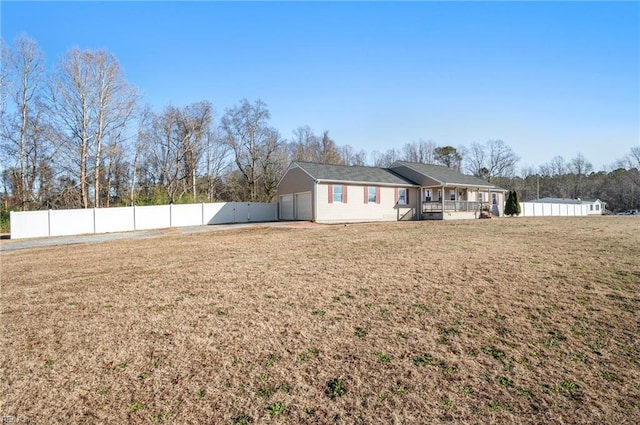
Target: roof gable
(444, 175)
(353, 174)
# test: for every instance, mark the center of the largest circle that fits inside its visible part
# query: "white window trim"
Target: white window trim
(400, 190)
(375, 195)
(339, 201)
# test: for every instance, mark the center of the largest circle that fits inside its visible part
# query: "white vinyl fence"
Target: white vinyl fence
(33, 224)
(541, 209)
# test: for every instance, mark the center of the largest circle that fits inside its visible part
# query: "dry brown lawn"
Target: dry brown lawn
(485, 321)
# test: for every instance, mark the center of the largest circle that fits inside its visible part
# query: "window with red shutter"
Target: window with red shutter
(338, 195)
(372, 195)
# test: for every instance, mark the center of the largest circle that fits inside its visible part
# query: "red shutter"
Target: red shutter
(377, 195)
(366, 195)
(395, 194)
(407, 200)
(330, 193)
(344, 194)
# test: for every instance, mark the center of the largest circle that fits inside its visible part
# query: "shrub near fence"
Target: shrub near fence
(33, 224)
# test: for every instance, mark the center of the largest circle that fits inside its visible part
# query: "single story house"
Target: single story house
(327, 193)
(595, 206)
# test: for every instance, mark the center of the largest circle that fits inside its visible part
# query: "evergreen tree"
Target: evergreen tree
(512, 206)
(508, 207)
(517, 209)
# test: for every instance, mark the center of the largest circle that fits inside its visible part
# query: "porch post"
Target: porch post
(455, 198)
(489, 201)
(442, 200)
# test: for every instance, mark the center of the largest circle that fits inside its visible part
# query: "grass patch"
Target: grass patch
(505, 382)
(424, 359)
(360, 332)
(499, 405)
(383, 358)
(494, 352)
(136, 407)
(308, 355)
(335, 388)
(254, 326)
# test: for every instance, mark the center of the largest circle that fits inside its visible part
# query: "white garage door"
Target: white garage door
(286, 207)
(303, 206)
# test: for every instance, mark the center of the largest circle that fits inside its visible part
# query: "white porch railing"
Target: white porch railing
(463, 206)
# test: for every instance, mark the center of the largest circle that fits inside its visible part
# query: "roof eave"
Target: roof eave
(365, 183)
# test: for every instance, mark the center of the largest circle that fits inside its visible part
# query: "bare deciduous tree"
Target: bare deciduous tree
(579, 168)
(4, 80)
(305, 145)
(165, 152)
(216, 160)
(309, 147)
(352, 157)
(114, 103)
(379, 159)
(329, 150)
(420, 151)
(195, 123)
(92, 102)
(632, 162)
(476, 161)
(252, 141)
(491, 160)
(71, 102)
(23, 138)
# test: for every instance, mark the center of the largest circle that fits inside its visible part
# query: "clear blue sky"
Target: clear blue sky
(547, 78)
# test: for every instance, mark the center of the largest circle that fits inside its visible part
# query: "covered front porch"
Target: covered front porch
(455, 202)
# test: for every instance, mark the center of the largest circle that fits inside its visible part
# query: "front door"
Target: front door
(495, 210)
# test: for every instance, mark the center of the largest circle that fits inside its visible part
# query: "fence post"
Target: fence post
(171, 214)
(202, 221)
(49, 222)
(248, 211)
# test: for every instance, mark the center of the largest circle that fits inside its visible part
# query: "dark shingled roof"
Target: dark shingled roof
(444, 174)
(351, 173)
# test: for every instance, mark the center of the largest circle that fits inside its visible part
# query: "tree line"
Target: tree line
(79, 136)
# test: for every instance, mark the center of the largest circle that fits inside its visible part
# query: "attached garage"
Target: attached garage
(303, 206)
(286, 207)
(295, 195)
